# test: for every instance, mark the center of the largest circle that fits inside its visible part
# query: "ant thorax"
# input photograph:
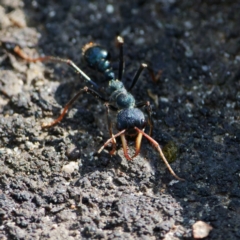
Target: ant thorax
(114, 85)
(120, 98)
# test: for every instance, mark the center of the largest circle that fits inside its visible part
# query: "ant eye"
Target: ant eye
(143, 122)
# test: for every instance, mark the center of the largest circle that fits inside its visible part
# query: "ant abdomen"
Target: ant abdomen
(98, 58)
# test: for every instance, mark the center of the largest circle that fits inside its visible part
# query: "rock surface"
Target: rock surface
(196, 46)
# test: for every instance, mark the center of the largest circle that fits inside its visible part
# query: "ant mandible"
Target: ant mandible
(130, 120)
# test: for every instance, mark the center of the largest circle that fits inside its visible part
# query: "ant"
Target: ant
(130, 120)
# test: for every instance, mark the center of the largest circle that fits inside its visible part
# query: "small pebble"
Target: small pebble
(201, 229)
(70, 167)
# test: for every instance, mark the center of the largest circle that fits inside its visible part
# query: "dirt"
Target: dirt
(54, 186)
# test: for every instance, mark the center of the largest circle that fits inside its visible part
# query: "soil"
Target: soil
(54, 186)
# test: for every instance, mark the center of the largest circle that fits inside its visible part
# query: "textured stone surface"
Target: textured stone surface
(196, 46)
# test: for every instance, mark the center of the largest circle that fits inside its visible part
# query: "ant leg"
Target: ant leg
(150, 122)
(149, 113)
(156, 145)
(70, 103)
(18, 51)
(109, 122)
(139, 71)
(154, 77)
(9, 46)
(137, 74)
(120, 43)
(111, 139)
(125, 147)
(138, 144)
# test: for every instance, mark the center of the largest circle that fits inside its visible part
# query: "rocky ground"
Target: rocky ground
(53, 186)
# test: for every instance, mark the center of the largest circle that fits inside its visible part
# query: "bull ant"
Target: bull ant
(130, 119)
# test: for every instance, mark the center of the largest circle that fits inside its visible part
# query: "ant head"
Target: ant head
(129, 118)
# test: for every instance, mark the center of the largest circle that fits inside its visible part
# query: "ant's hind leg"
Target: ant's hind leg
(14, 48)
(120, 42)
(137, 75)
(139, 71)
(154, 77)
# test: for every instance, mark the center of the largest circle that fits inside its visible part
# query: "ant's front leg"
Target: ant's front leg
(156, 145)
(149, 113)
(109, 122)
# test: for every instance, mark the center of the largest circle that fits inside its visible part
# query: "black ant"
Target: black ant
(130, 119)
